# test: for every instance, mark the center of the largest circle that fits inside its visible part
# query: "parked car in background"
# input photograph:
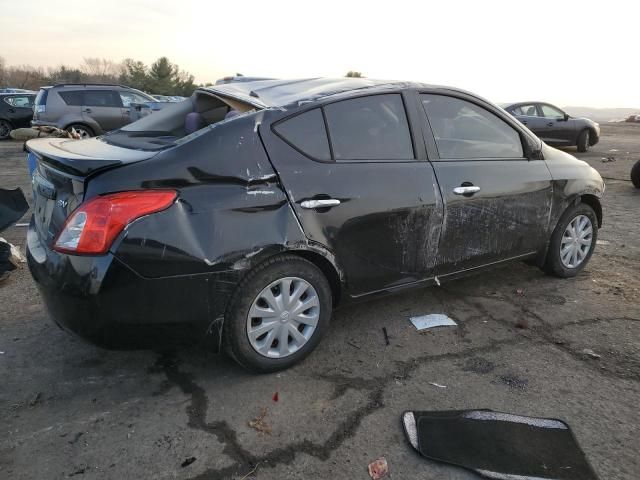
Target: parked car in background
(90, 109)
(633, 119)
(554, 126)
(246, 213)
(16, 90)
(16, 111)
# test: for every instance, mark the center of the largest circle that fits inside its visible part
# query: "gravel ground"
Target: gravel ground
(71, 409)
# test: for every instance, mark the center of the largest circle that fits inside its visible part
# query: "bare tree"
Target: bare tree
(100, 69)
(354, 74)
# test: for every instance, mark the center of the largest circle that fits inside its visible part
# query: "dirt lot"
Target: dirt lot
(70, 409)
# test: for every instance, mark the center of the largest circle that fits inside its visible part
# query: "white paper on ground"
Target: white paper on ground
(432, 320)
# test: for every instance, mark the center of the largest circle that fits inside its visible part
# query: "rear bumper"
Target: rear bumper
(103, 301)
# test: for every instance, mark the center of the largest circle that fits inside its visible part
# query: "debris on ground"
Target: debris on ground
(275, 397)
(432, 320)
(492, 444)
(522, 323)
(188, 462)
(35, 400)
(520, 292)
(44, 131)
(608, 159)
(386, 335)
(437, 385)
(602, 242)
(259, 423)
(353, 344)
(378, 468)
(590, 353)
(10, 258)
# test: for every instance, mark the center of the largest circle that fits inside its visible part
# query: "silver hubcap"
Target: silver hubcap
(283, 317)
(82, 132)
(576, 241)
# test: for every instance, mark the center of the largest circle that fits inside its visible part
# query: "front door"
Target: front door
(104, 107)
(20, 110)
(558, 131)
(497, 203)
(365, 191)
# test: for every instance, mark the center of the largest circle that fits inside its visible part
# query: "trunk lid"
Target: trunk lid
(63, 168)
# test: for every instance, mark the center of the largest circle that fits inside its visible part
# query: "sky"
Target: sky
(568, 52)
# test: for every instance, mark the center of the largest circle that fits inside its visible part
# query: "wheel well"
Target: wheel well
(327, 269)
(594, 203)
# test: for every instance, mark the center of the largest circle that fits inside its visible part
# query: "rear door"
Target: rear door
(135, 106)
(497, 202)
(361, 186)
(20, 109)
(104, 107)
(530, 116)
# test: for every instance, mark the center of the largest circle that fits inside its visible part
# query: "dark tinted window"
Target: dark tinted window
(369, 128)
(463, 130)
(73, 98)
(306, 132)
(101, 98)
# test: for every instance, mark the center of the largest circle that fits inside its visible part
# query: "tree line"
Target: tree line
(162, 77)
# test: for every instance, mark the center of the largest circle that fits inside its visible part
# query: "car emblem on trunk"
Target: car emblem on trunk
(62, 203)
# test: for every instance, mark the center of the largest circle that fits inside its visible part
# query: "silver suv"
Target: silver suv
(91, 109)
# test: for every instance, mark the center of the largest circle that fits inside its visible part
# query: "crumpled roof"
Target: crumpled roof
(281, 93)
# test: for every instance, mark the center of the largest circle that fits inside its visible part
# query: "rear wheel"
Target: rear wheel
(583, 141)
(278, 314)
(572, 241)
(82, 130)
(635, 174)
(5, 129)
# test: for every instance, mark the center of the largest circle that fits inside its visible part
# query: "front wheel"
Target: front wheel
(278, 314)
(572, 241)
(583, 141)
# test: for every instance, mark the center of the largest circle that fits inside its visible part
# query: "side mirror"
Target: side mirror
(566, 117)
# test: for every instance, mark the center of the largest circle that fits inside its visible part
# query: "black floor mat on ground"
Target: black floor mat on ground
(499, 445)
(13, 206)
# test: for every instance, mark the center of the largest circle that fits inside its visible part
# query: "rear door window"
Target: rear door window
(525, 111)
(306, 132)
(464, 130)
(20, 101)
(370, 128)
(73, 98)
(102, 98)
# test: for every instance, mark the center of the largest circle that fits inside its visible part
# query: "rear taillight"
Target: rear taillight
(94, 225)
(40, 108)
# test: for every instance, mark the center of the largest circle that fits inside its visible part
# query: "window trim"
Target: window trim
(508, 119)
(412, 134)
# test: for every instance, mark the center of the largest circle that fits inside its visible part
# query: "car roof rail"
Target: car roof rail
(85, 84)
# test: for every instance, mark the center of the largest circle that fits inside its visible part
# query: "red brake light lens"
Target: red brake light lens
(94, 225)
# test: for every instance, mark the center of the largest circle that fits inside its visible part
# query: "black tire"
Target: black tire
(583, 140)
(234, 336)
(78, 127)
(5, 129)
(553, 263)
(635, 174)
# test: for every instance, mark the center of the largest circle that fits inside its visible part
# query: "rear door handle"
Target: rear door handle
(322, 203)
(467, 190)
(87, 110)
(550, 124)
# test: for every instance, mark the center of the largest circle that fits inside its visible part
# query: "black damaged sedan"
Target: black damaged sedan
(246, 213)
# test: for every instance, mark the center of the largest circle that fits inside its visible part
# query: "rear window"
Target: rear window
(72, 98)
(41, 98)
(306, 132)
(102, 98)
(369, 128)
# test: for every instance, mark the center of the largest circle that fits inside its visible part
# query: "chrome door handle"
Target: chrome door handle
(470, 190)
(323, 203)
